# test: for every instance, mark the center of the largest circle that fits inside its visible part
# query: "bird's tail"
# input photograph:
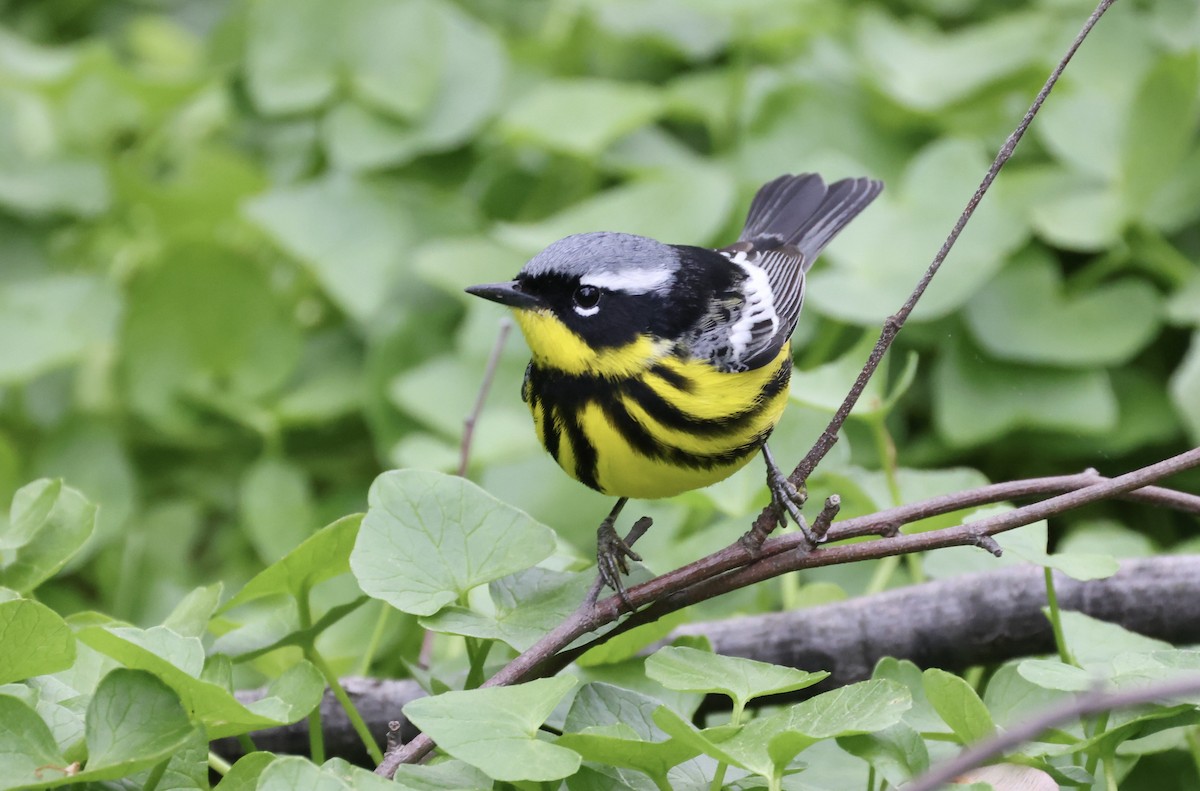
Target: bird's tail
(805, 213)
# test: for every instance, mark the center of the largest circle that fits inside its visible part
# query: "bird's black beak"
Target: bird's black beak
(509, 293)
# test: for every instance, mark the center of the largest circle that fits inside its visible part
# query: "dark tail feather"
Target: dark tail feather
(802, 211)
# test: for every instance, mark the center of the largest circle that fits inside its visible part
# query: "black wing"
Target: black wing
(790, 222)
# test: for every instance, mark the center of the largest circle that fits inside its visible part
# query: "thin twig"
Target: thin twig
(489, 373)
(718, 573)
(766, 522)
(1081, 706)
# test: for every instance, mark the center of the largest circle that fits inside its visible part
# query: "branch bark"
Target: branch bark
(937, 624)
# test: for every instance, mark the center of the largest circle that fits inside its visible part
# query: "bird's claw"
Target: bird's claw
(612, 556)
(787, 500)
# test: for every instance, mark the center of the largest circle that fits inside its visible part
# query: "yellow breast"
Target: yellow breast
(660, 428)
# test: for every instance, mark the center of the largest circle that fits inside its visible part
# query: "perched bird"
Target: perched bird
(661, 368)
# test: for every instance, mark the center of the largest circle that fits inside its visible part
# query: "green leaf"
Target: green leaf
(527, 605)
(1052, 674)
(207, 324)
(324, 554)
(292, 772)
(689, 670)
(495, 729)
(291, 54)
(353, 236)
(428, 538)
(824, 387)
(134, 721)
(191, 616)
(675, 206)
(67, 185)
(28, 752)
(1157, 138)
(580, 116)
(958, 705)
(897, 753)
(1023, 316)
(59, 319)
(598, 704)
(927, 70)
(29, 512)
(618, 745)
(978, 400)
(905, 227)
(470, 70)
(178, 662)
(1094, 643)
(922, 716)
(449, 775)
(34, 641)
(276, 506)
(1185, 388)
(46, 542)
(245, 772)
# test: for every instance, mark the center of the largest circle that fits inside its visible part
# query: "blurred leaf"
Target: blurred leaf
(1094, 642)
(352, 236)
(47, 537)
(978, 400)
(59, 319)
(1161, 128)
(1185, 388)
(880, 257)
(429, 538)
(1052, 674)
(291, 53)
(324, 554)
(276, 506)
(34, 641)
(825, 386)
(470, 76)
(897, 753)
(688, 670)
(527, 604)
(674, 206)
(495, 729)
(580, 116)
(205, 322)
(926, 70)
(70, 186)
(684, 27)
(1024, 316)
(448, 775)
(958, 705)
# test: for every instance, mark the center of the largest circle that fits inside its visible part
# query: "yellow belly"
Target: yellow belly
(683, 427)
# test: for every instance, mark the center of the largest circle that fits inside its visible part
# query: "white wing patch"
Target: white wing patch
(630, 281)
(759, 306)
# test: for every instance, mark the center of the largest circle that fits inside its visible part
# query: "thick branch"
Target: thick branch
(936, 624)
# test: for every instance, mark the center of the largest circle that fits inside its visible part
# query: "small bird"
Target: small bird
(660, 368)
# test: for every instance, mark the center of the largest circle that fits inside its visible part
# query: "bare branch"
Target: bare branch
(765, 522)
(489, 373)
(1083, 705)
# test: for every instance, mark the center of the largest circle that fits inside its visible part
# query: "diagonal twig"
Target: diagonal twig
(765, 522)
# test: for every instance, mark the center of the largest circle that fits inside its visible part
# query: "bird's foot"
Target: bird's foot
(612, 556)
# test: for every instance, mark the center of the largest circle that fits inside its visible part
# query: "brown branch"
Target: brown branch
(489, 373)
(934, 624)
(707, 578)
(766, 520)
(1081, 706)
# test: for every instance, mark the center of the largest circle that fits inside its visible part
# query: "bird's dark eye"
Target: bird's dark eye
(587, 296)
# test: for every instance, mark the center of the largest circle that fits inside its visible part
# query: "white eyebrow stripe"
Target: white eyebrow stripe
(630, 281)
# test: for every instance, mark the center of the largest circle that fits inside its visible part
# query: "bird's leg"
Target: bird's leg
(786, 498)
(612, 553)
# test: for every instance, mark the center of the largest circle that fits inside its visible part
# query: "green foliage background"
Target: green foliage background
(234, 237)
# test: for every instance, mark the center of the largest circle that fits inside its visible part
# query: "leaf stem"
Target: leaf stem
(217, 764)
(339, 692)
(1060, 640)
(385, 612)
(316, 730)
